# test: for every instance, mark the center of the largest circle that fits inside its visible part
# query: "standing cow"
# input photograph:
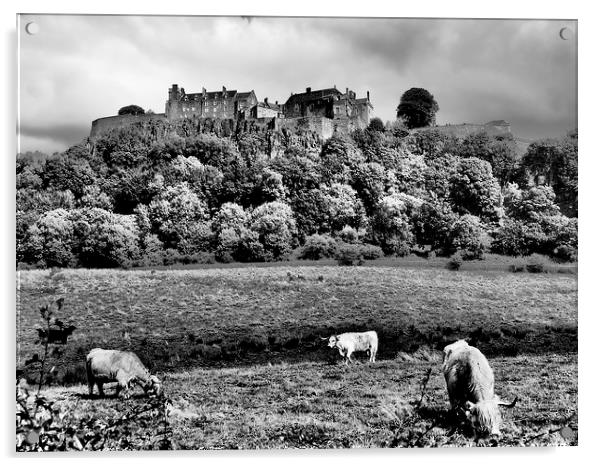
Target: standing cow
(470, 382)
(104, 366)
(348, 343)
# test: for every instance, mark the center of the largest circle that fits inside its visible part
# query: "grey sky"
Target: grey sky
(79, 68)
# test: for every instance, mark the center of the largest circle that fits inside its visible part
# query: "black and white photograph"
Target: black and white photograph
(295, 232)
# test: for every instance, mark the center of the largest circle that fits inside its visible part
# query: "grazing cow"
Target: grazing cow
(470, 381)
(348, 343)
(123, 367)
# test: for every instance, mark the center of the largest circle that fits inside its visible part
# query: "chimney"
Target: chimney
(335, 86)
(347, 90)
(276, 102)
(265, 101)
(308, 89)
(224, 90)
(204, 92)
(368, 95)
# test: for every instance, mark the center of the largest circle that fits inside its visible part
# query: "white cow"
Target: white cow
(124, 367)
(348, 343)
(470, 382)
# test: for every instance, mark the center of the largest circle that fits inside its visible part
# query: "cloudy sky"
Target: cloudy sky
(79, 68)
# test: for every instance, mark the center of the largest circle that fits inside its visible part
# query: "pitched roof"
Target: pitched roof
(363, 101)
(211, 95)
(269, 105)
(244, 95)
(219, 94)
(314, 95)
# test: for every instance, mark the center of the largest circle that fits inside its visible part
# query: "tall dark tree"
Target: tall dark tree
(130, 110)
(417, 108)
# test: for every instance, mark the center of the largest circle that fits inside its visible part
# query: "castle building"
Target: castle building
(217, 104)
(325, 111)
(266, 109)
(329, 103)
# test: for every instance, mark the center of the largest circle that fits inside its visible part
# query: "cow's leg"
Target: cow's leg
(349, 353)
(90, 387)
(101, 393)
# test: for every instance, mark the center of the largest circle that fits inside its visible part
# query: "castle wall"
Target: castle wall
(103, 125)
(320, 125)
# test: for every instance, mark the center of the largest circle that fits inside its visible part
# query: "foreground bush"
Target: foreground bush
(318, 247)
(349, 254)
(371, 252)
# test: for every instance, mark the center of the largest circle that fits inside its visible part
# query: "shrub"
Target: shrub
(455, 261)
(318, 247)
(376, 124)
(371, 252)
(51, 240)
(565, 253)
(554, 235)
(466, 236)
(131, 110)
(349, 254)
(105, 239)
(535, 267)
(515, 268)
(151, 250)
(516, 238)
(348, 234)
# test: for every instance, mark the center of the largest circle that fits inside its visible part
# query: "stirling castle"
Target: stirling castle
(323, 112)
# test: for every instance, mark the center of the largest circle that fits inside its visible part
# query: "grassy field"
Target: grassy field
(321, 405)
(240, 353)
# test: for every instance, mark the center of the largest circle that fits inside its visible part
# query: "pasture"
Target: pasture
(243, 364)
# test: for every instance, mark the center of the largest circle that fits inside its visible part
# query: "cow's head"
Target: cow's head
(485, 417)
(153, 385)
(332, 341)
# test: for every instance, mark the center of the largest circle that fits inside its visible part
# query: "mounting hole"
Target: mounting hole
(566, 33)
(32, 28)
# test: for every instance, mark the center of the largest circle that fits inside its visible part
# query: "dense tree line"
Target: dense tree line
(130, 200)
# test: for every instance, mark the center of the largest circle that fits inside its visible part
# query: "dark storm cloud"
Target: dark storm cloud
(81, 68)
(66, 134)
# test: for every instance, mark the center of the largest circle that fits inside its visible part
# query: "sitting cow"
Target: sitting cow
(470, 381)
(104, 366)
(348, 343)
